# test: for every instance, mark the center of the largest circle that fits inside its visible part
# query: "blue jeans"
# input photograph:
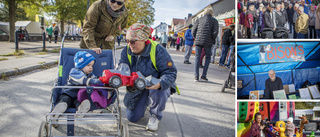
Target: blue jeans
(290, 27)
(231, 49)
(224, 53)
(156, 98)
(318, 33)
(312, 30)
(302, 36)
(207, 51)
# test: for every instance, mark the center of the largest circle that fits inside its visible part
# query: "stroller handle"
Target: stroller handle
(79, 87)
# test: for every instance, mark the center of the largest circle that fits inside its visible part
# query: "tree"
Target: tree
(306, 105)
(140, 11)
(13, 12)
(68, 10)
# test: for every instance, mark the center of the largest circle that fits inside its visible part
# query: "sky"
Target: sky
(165, 10)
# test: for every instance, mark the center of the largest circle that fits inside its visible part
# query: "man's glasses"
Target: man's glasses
(132, 42)
(118, 2)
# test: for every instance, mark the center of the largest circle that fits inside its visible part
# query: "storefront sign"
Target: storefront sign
(280, 53)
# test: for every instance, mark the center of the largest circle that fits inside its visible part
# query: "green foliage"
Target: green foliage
(315, 2)
(140, 11)
(20, 12)
(306, 105)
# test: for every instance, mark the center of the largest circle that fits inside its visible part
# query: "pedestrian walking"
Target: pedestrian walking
(188, 45)
(164, 40)
(49, 30)
(205, 31)
(178, 44)
(227, 38)
(232, 43)
(312, 22)
(317, 24)
(249, 21)
(242, 21)
(105, 19)
(118, 40)
(214, 49)
(302, 24)
(56, 31)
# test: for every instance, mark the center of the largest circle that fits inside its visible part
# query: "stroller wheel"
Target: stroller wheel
(43, 130)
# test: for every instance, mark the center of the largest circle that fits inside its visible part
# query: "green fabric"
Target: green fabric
(153, 54)
(49, 30)
(60, 70)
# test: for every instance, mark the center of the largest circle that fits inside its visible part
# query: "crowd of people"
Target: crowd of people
(278, 19)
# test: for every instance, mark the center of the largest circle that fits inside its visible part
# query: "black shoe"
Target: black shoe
(187, 62)
(200, 66)
(204, 78)
(196, 79)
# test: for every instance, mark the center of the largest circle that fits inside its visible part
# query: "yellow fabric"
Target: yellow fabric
(302, 24)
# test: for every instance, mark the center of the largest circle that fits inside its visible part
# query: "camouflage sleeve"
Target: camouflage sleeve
(89, 25)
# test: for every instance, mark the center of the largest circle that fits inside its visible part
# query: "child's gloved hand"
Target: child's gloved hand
(94, 81)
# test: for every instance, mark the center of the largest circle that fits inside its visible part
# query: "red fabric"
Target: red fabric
(248, 20)
(242, 18)
(153, 38)
(255, 131)
(178, 40)
(147, 42)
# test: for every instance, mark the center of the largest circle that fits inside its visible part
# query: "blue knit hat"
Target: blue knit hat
(82, 59)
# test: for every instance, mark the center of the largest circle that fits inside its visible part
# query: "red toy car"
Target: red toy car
(122, 77)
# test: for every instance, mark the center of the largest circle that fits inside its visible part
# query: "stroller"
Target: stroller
(281, 33)
(267, 33)
(67, 121)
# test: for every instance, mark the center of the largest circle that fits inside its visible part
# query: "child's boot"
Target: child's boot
(84, 107)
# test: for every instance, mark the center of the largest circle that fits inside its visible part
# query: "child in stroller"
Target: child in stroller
(80, 75)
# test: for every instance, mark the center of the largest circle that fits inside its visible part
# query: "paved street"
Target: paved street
(201, 109)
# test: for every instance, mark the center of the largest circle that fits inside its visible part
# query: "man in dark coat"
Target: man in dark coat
(290, 12)
(273, 83)
(226, 41)
(268, 17)
(205, 31)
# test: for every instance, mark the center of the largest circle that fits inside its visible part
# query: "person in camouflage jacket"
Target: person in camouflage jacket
(105, 19)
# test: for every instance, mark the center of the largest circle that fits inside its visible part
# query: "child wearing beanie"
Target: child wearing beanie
(80, 75)
(290, 127)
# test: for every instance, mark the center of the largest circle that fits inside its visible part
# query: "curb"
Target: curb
(15, 72)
